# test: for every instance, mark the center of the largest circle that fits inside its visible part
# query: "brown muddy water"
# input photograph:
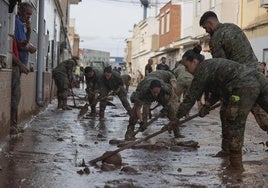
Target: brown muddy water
(56, 147)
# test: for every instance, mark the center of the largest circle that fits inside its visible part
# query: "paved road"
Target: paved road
(52, 149)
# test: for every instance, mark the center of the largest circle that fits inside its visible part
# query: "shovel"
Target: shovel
(164, 129)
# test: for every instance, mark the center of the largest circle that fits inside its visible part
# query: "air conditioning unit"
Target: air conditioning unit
(264, 3)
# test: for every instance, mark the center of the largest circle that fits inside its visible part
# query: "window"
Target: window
(168, 22)
(162, 25)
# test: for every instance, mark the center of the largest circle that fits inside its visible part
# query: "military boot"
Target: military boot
(129, 111)
(225, 149)
(64, 105)
(101, 113)
(59, 103)
(130, 133)
(236, 163)
(93, 110)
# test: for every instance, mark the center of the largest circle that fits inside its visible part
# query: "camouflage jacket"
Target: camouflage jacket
(181, 74)
(166, 76)
(113, 83)
(66, 67)
(93, 82)
(230, 42)
(220, 76)
(143, 95)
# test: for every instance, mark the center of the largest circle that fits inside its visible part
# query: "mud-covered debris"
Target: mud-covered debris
(179, 170)
(129, 170)
(115, 159)
(81, 172)
(149, 146)
(96, 142)
(116, 142)
(127, 185)
(176, 148)
(100, 135)
(86, 170)
(60, 139)
(108, 167)
(190, 143)
(266, 143)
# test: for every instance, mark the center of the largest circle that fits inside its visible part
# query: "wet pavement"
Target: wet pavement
(56, 147)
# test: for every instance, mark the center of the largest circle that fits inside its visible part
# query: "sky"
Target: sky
(105, 24)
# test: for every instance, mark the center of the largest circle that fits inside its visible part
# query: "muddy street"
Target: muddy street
(56, 147)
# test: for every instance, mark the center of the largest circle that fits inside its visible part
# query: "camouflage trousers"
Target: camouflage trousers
(92, 100)
(62, 83)
(122, 95)
(260, 116)
(182, 87)
(234, 114)
(168, 110)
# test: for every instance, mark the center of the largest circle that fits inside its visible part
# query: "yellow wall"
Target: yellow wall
(252, 13)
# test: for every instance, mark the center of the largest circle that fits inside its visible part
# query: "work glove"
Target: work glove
(204, 110)
(142, 126)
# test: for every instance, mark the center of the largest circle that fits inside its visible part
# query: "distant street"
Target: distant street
(51, 151)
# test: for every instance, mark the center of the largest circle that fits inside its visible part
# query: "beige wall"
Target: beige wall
(254, 18)
(5, 102)
(254, 22)
(143, 43)
(226, 10)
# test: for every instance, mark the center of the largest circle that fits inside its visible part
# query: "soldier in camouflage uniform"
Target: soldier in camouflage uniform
(62, 76)
(239, 87)
(112, 81)
(126, 80)
(230, 42)
(150, 90)
(184, 80)
(92, 81)
(169, 78)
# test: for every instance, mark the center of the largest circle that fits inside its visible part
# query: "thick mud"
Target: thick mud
(56, 147)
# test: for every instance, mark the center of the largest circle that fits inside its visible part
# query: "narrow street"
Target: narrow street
(51, 151)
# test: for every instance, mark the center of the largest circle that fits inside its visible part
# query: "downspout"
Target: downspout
(40, 56)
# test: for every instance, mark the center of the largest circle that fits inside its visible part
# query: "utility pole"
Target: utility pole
(145, 4)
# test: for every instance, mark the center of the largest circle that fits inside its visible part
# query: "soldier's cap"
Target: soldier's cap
(206, 15)
(88, 69)
(155, 83)
(108, 69)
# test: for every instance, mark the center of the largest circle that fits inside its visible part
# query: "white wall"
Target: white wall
(50, 15)
(258, 45)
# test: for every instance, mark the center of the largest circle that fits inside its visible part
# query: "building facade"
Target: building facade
(49, 24)
(254, 22)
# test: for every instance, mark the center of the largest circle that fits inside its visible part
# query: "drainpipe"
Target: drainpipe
(40, 56)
